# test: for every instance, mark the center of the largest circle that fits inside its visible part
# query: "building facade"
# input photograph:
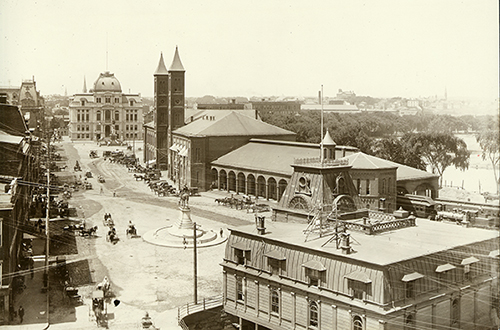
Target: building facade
(29, 101)
(274, 277)
(106, 111)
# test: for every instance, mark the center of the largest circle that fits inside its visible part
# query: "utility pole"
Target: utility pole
(47, 219)
(322, 157)
(195, 267)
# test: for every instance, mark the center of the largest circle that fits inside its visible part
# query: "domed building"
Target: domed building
(104, 111)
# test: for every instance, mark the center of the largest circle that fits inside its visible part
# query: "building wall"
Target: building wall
(91, 118)
(382, 184)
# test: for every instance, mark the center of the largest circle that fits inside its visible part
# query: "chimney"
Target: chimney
(260, 223)
(346, 244)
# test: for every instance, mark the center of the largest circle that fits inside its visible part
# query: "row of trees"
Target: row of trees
(420, 141)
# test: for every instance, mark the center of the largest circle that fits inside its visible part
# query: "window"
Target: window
(78, 117)
(117, 115)
(87, 117)
(78, 136)
(383, 186)
(135, 117)
(313, 314)
(367, 187)
(117, 128)
(98, 115)
(108, 100)
(240, 256)
(357, 289)
(275, 301)
(275, 265)
(107, 115)
(357, 322)
(78, 127)
(131, 103)
(315, 277)
(468, 264)
(126, 128)
(409, 321)
(83, 102)
(88, 128)
(135, 128)
(455, 312)
(117, 100)
(98, 100)
(358, 185)
(240, 294)
(410, 289)
(127, 117)
(98, 127)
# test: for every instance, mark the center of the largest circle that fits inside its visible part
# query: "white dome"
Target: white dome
(107, 82)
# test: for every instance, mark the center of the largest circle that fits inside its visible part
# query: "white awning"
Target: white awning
(444, 268)
(468, 261)
(275, 254)
(359, 276)
(240, 246)
(411, 277)
(314, 264)
(151, 162)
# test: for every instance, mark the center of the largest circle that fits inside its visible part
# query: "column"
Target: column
(334, 317)
(267, 191)
(257, 301)
(218, 180)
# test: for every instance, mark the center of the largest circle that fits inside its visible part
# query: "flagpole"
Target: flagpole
(321, 137)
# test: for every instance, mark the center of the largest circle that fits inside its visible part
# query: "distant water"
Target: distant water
(479, 177)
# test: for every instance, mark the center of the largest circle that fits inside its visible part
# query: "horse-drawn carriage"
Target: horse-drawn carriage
(101, 179)
(77, 167)
(99, 308)
(93, 154)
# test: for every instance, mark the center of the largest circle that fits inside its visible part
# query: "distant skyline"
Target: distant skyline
(376, 48)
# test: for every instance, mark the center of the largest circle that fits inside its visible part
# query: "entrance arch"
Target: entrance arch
(223, 179)
(281, 188)
(107, 130)
(214, 179)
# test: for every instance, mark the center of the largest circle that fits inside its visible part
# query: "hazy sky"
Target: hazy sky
(243, 48)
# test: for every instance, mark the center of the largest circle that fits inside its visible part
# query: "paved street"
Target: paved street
(144, 277)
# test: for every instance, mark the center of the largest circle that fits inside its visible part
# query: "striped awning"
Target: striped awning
(359, 276)
(411, 277)
(275, 254)
(240, 246)
(314, 264)
(444, 268)
(468, 261)
(175, 147)
(183, 152)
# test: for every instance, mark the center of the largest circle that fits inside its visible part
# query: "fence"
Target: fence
(191, 308)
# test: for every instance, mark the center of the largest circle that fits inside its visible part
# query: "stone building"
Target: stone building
(104, 111)
(29, 101)
(425, 275)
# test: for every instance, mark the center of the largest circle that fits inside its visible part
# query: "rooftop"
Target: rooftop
(232, 124)
(425, 238)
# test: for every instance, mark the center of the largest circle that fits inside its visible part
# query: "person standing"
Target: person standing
(20, 312)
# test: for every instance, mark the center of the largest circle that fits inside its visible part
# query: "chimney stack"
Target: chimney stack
(260, 222)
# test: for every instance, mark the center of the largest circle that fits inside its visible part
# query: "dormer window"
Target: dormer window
(83, 102)
(468, 264)
(444, 272)
(108, 99)
(410, 280)
(275, 261)
(359, 284)
(241, 253)
(98, 100)
(315, 272)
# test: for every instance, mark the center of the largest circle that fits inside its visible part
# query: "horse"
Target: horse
(88, 232)
(131, 231)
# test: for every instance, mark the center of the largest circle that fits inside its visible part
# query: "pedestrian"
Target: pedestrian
(20, 312)
(102, 191)
(184, 241)
(114, 193)
(221, 232)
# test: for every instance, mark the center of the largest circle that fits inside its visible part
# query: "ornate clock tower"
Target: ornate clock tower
(161, 104)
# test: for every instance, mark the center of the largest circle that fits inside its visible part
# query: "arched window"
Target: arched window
(409, 322)
(98, 116)
(455, 312)
(313, 314)
(275, 301)
(357, 322)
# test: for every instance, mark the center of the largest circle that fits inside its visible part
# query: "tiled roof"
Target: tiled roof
(233, 124)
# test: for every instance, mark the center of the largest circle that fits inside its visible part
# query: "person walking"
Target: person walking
(20, 312)
(221, 232)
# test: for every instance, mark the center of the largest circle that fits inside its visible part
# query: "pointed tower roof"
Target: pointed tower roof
(84, 85)
(176, 63)
(161, 69)
(327, 140)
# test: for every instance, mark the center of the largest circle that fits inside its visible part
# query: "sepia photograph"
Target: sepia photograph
(251, 165)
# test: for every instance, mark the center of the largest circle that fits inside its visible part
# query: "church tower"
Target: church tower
(176, 72)
(161, 104)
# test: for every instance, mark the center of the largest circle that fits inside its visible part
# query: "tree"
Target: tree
(439, 150)
(489, 141)
(397, 151)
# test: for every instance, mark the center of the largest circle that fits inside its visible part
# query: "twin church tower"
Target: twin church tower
(169, 96)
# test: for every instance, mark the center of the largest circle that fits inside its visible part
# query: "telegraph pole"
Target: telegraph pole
(195, 267)
(47, 240)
